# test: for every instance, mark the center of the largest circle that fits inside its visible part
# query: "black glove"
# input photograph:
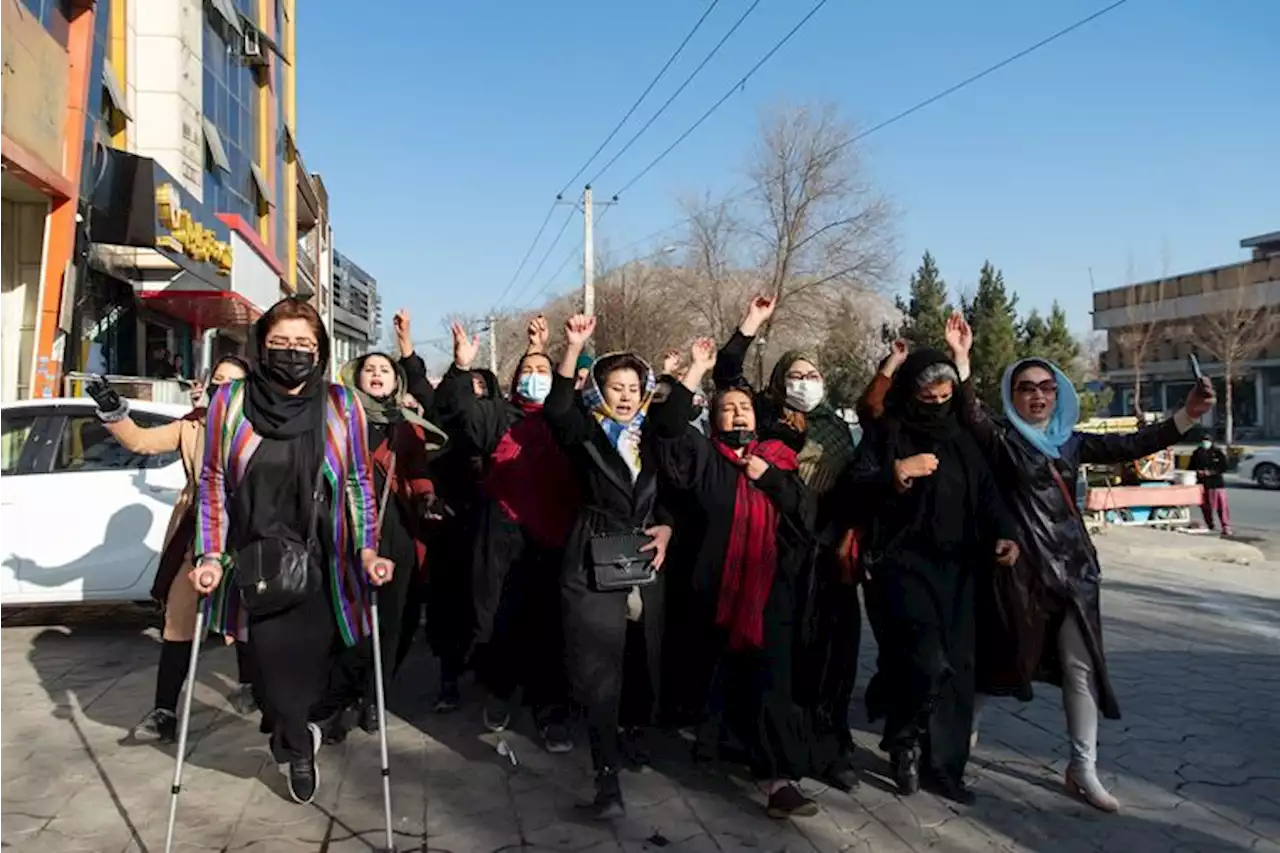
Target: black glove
(109, 402)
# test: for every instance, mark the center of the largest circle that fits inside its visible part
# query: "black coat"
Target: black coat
(595, 622)
(1058, 567)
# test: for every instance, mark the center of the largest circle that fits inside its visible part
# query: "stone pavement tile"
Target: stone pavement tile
(671, 820)
(374, 840)
(1190, 821)
(737, 819)
(479, 832)
(701, 843)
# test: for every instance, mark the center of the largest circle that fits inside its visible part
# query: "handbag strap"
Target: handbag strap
(317, 500)
(1062, 487)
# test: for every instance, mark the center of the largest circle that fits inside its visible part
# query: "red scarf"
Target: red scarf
(752, 555)
(531, 479)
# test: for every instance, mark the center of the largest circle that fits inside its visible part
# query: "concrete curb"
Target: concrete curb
(1140, 543)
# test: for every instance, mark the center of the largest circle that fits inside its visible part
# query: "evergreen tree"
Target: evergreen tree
(925, 312)
(1052, 341)
(995, 334)
(847, 354)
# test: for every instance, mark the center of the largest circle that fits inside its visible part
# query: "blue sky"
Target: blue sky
(1147, 137)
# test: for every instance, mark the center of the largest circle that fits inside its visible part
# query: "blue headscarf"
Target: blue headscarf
(1066, 411)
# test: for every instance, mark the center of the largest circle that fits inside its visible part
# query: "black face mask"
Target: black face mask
(289, 367)
(928, 414)
(737, 438)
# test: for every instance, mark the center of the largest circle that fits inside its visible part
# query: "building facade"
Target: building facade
(154, 195)
(357, 310)
(48, 49)
(1152, 327)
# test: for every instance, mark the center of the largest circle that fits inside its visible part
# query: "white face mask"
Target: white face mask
(534, 387)
(804, 395)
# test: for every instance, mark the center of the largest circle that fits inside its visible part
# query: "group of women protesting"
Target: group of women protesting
(599, 544)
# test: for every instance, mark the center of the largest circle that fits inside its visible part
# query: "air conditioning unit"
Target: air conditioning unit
(253, 51)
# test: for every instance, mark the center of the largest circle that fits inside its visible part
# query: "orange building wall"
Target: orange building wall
(60, 239)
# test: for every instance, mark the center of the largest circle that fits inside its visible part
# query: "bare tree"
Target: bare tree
(714, 282)
(1144, 323)
(818, 228)
(1238, 324)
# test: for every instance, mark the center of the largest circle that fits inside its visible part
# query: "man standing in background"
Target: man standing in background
(1210, 463)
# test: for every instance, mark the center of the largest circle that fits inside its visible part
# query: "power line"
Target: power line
(677, 92)
(559, 234)
(643, 95)
(543, 227)
(929, 101)
(734, 88)
(551, 210)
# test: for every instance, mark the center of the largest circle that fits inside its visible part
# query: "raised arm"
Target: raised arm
(973, 415)
(113, 411)
(1110, 449)
(870, 405)
(566, 419)
(731, 360)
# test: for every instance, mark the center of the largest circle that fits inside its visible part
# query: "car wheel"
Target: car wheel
(1267, 475)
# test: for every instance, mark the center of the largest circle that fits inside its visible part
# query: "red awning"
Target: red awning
(203, 309)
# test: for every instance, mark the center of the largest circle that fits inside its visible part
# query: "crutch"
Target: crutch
(379, 694)
(185, 723)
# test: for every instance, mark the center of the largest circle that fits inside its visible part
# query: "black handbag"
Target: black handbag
(617, 563)
(275, 575)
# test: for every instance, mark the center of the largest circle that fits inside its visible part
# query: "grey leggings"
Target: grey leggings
(1079, 695)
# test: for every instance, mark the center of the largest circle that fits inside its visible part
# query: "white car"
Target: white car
(81, 518)
(1262, 466)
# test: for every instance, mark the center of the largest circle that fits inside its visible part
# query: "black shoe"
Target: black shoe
(449, 699)
(843, 779)
(304, 774)
(635, 751)
(242, 700)
(906, 771)
(607, 804)
(557, 739)
(369, 719)
(161, 726)
(948, 789)
(334, 730)
(787, 802)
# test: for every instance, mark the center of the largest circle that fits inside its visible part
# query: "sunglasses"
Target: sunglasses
(1048, 388)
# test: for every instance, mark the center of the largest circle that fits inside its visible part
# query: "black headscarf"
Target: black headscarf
(926, 420)
(274, 413)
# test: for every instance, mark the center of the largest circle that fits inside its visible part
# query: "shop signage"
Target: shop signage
(186, 236)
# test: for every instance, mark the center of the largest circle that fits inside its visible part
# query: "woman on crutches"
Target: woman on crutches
(286, 511)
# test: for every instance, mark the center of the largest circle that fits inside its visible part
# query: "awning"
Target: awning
(213, 141)
(112, 85)
(202, 309)
(260, 181)
(226, 9)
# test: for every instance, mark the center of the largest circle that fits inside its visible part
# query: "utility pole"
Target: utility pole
(588, 257)
(493, 345)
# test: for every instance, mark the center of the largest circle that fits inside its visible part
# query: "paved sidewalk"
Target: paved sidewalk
(1195, 761)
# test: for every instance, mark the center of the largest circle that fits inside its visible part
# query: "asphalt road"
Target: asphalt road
(1255, 515)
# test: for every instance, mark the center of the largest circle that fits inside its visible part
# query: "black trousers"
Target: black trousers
(839, 638)
(931, 636)
(521, 644)
(293, 651)
(450, 552)
(351, 676)
(596, 644)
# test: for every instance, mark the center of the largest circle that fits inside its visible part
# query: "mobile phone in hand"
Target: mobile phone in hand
(1195, 367)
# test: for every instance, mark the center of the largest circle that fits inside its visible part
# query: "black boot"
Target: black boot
(906, 770)
(950, 789)
(369, 718)
(607, 804)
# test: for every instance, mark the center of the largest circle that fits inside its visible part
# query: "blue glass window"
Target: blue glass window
(230, 103)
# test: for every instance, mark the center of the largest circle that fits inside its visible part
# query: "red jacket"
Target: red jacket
(410, 481)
